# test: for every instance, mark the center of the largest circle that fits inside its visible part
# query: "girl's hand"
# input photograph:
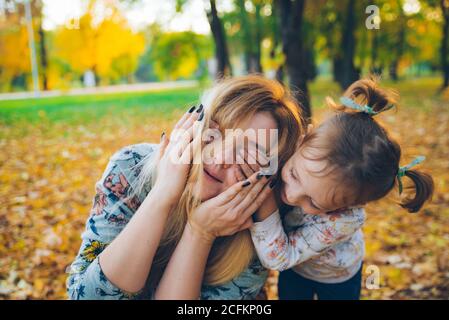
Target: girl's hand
(175, 156)
(230, 211)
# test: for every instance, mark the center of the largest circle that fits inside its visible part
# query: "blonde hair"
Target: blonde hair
(229, 102)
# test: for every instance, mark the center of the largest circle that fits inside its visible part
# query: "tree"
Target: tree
(14, 60)
(108, 48)
(400, 43)
(291, 25)
(178, 54)
(444, 4)
(258, 36)
(252, 35)
(277, 41)
(14, 55)
(219, 36)
(344, 67)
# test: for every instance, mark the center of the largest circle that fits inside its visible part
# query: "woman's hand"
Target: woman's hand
(250, 162)
(175, 156)
(230, 211)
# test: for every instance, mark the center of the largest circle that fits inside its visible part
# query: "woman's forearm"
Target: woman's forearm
(127, 260)
(184, 273)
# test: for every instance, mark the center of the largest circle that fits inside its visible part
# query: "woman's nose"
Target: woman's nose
(225, 157)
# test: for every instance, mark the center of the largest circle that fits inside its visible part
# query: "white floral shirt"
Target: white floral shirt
(326, 248)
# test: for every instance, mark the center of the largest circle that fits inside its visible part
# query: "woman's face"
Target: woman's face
(221, 173)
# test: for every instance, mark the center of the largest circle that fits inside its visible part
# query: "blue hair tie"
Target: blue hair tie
(402, 170)
(348, 102)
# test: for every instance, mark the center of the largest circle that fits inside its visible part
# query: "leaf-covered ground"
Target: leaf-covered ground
(52, 151)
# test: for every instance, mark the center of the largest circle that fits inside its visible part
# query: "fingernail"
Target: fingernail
(200, 108)
(259, 176)
(191, 109)
(246, 183)
(272, 183)
(201, 116)
(163, 135)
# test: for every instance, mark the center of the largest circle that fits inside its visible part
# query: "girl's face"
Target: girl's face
(222, 173)
(313, 193)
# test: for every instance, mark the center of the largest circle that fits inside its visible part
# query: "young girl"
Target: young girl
(348, 161)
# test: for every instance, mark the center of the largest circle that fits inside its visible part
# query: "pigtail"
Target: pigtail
(423, 185)
(366, 92)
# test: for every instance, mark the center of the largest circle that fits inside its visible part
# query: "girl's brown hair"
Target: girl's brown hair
(365, 157)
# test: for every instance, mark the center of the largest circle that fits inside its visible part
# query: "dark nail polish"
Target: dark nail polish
(191, 109)
(200, 108)
(246, 183)
(163, 134)
(273, 183)
(201, 116)
(259, 176)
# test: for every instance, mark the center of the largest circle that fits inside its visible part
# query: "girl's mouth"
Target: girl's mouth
(210, 176)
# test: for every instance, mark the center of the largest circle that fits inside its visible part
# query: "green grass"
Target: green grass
(413, 93)
(419, 93)
(82, 109)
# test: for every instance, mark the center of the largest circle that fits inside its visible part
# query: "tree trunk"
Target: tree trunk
(445, 43)
(349, 73)
(291, 16)
(374, 68)
(247, 39)
(400, 44)
(221, 50)
(399, 52)
(44, 58)
(258, 44)
(276, 34)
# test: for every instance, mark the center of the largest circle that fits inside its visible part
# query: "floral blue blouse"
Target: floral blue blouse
(111, 211)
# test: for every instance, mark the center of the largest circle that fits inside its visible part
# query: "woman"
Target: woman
(165, 226)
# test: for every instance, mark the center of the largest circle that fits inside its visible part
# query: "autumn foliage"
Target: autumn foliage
(51, 156)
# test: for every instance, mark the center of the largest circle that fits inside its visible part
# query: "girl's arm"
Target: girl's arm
(226, 214)
(280, 251)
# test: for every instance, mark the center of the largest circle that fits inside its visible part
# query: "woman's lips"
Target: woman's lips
(211, 176)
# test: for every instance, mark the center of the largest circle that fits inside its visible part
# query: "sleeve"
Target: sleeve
(244, 287)
(112, 209)
(280, 251)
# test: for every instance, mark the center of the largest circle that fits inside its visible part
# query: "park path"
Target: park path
(122, 88)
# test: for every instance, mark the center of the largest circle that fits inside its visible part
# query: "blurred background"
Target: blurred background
(80, 79)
